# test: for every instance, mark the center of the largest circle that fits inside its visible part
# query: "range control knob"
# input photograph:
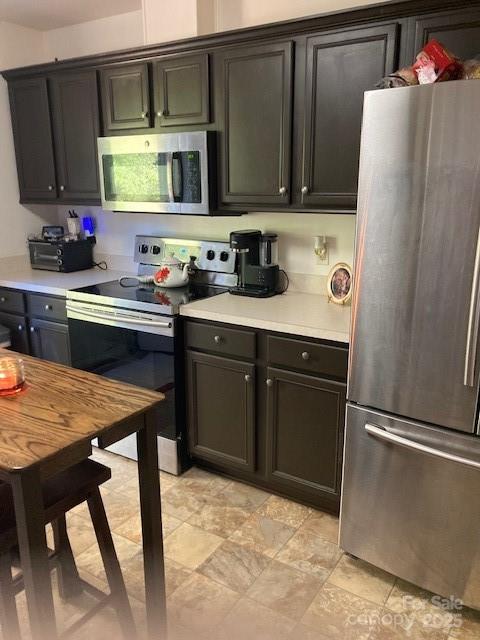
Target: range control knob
(210, 254)
(224, 256)
(155, 249)
(144, 248)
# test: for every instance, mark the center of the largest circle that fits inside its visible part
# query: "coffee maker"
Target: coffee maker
(258, 272)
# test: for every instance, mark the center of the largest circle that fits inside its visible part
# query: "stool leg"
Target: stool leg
(8, 605)
(69, 584)
(111, 564)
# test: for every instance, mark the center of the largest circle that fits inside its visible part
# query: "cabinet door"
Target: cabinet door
(18, 331)
(255, 93)
(76, 124)
(49, 340)
(32, 135)
(458, 31)
(125, 97)
(340, 67)
(305, 421)
(221, 421)
(182, 95)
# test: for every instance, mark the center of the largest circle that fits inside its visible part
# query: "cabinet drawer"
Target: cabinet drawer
(233, 342)
(307, 356)
(47, 307)
(12, 301)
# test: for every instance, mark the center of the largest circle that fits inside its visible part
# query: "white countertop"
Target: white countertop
(22, 276)
(302, 314)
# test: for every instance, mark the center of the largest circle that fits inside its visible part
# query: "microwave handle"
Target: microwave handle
(171, 194)
(177, 171)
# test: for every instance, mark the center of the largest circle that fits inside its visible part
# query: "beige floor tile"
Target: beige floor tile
(285, 590)
(91, 561)
(234, 566)
(311, 554)
(200, 604)
(219, 517)
(182, 500)
(132, 528)
(467, 626)
(395, 626)
(244, 496)
(302, 632)
(263, 534)
(175, 575)
(362, 579)
(285, 511)
(214, 482)
(323, 525)
(340, 615)
(249, 619)
(190, 545)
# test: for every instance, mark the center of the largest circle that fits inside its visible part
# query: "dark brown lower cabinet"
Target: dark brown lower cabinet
(18, 331)
(49, 340)
(222, 410)
(305, 417)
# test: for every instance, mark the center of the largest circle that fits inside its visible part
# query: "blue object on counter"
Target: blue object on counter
(88, 225)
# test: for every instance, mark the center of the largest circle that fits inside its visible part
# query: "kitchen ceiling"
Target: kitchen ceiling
(51, 14)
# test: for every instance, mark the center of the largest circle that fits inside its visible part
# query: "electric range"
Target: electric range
(133, 333)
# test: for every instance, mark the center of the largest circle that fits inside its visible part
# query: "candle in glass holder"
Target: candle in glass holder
(12, 375)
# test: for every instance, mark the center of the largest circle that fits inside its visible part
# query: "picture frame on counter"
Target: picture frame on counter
(339, 283)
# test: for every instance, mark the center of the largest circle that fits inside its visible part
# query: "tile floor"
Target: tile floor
(244, 564)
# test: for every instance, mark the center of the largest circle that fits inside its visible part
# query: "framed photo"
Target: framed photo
(339, 283)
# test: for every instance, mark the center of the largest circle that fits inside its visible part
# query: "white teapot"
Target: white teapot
(171, 273)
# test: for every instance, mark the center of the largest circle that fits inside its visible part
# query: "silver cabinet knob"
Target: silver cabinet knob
(50, 187)
(269, 382)
(144, 114)
(32, 329)
(304, 189)
(248, 377)
(305, 355)
(20, 327)
(48, 307)
(217, 339)
(3, 299)
(162, 114)
(282, 191)
(62, 187)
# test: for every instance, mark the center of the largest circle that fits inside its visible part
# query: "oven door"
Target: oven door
(160, 173)
(129, 355)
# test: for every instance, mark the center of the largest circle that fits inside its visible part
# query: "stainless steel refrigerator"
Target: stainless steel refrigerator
(411, 484)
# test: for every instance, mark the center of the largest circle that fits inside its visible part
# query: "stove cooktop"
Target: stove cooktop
(144, 297)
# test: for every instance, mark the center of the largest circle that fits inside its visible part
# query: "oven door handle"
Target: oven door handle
(383, 434)
(120, 317)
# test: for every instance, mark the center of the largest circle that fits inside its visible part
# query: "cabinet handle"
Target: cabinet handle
(20, 327)
(217, 339)
(269, 382)
(62, 187)
(3, 299)
(48, 307)
(32, 329)
(144, 114)
(304, 189)
(282, 191)
(50, 187)
(162, 114)
(305, 355)
(248, 377)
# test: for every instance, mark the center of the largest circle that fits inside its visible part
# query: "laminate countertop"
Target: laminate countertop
(302, 314)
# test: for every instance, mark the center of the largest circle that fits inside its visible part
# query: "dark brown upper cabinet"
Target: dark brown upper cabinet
(254, 85)
(33, 139)
(181, 91)
(340, 67)
(76, 125)
(459, 31)
(125, 97)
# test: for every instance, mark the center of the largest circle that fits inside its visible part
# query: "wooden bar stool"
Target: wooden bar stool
(62, 493)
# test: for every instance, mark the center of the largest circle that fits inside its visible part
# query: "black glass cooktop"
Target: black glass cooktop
(148, 297)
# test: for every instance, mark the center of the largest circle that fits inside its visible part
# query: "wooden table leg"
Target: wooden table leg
(150, 506)
(29, 515)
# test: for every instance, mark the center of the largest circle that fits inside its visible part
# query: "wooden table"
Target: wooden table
(47, 428)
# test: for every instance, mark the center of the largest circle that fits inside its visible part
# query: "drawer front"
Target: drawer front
(233, 342)
(11, 301)
(307, 356)
(47, 307)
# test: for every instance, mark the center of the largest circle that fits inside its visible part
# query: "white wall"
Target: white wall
(165, 21)
(106, 34)
(18, 46)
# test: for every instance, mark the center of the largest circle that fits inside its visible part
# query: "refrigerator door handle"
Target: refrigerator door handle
(473, 322)
(382, 434)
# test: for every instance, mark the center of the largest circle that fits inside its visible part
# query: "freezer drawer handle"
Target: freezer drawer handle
(378, 432)
(473, 322)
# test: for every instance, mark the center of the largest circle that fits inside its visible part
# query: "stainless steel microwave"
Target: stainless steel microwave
(158, 173)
